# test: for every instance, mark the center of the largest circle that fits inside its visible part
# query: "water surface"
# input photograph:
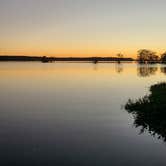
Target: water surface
(72, 114)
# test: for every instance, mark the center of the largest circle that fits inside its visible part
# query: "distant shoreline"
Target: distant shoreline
(65, 59)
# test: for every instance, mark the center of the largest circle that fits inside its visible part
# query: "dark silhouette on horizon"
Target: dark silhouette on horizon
(147, 56)
(163, 57)
(144, 56)
(52, 59)
(120, 56)
(149, 112)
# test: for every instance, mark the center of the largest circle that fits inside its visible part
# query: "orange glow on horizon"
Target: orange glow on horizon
(75, 53)
(78, 50)
(81, 28)
(68, 53)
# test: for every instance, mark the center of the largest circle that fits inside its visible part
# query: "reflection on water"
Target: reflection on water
(119, 67)
(146, 70)
(143, 70)
(163, 70)
(70, 114)
(150, 111)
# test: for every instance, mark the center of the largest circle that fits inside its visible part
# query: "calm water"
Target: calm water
(61, 114)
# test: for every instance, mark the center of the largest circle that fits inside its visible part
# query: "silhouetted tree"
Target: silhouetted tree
(45, 59)
(95, 60)
(163, 57)
(120, 57)
(149, 112)
(145, 55)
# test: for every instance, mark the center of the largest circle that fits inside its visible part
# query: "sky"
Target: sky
(81, 27)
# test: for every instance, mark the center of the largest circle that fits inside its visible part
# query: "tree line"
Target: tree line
(145, 55)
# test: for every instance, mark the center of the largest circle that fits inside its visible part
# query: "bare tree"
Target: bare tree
(120, 57)
(145, 55)
(163, 57)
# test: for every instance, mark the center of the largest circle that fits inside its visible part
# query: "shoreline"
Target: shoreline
(64, 59)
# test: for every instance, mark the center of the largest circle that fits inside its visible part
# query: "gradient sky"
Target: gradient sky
(81, 27)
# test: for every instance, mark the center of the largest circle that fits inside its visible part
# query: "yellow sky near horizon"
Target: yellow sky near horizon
(81, 27)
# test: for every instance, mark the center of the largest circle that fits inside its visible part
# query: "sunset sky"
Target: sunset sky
(81, 27)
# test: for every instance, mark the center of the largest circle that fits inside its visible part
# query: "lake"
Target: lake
(61, 114)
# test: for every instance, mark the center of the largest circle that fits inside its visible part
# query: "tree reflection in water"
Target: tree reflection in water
(163, 70)
(146, 70)
(149, 112)
(119, 67)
